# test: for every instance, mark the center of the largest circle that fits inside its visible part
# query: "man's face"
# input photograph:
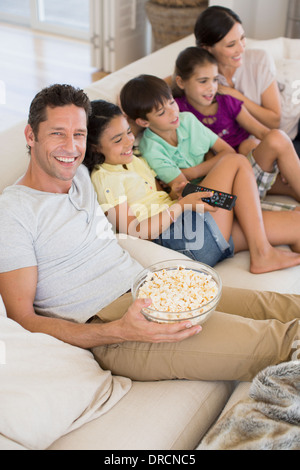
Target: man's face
(59, 147)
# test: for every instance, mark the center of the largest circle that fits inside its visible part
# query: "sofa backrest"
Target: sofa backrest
(160, 63)
(280, 48)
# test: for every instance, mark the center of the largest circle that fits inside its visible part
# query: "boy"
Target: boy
(173, 143)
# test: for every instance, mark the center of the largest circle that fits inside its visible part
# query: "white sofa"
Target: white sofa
(54, 396)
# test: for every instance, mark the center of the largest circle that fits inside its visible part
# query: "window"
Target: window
(68, 18)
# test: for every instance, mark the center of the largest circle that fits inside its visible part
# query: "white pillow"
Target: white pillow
(288, 74)
(275, 46)
(292, 48)
(48, 387)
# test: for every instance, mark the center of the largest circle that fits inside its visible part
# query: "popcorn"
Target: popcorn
(178, 292)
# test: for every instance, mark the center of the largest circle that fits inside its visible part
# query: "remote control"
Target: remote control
(218, 199)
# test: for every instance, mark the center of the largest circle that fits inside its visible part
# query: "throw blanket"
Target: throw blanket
(268, 420)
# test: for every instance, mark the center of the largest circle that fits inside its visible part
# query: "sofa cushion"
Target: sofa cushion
(8, 444)
(14, 158)
(288, 75)
(291, 48)
(48, 387)
(166, 415)
(234, 271)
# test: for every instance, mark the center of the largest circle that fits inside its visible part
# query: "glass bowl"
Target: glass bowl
(197, 300)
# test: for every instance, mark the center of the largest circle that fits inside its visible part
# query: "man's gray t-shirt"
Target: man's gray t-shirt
(81, 266)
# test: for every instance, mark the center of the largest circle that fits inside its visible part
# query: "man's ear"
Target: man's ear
(142, 122)
(29, 135)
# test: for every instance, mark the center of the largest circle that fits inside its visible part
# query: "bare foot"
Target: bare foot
(273, 260)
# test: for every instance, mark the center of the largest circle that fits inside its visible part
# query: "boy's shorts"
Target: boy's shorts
(264, 179)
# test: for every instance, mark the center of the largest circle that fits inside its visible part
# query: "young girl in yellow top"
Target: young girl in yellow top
(135, 204)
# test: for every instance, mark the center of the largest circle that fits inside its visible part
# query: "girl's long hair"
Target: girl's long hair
(102, 114)
(186, 62)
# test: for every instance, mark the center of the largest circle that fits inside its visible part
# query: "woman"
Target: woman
(248, 75)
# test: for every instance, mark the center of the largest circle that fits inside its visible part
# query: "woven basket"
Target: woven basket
(169, 24)
(179, 3)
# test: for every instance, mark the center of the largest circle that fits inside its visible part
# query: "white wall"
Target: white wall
(262, 19)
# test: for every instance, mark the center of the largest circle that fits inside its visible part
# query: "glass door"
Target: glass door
(63, 17)
(68, 18)
(15, 11)
(117, 30)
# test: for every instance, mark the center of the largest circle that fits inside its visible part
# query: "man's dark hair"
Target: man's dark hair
(55, 96)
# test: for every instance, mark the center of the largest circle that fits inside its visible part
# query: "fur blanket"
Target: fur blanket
(268, 420)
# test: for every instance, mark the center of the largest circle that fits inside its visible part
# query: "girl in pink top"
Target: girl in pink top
(270, 152)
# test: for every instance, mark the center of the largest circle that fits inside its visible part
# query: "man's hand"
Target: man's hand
(136, 327)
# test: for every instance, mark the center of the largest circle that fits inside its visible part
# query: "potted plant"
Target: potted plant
(172, 19)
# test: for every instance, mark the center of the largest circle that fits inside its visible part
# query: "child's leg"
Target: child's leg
(247, 145)
(233, 174)
(283, 188)
(277, 147)
(282, 228)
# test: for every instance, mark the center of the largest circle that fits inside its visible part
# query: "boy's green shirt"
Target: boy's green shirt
(194, 141)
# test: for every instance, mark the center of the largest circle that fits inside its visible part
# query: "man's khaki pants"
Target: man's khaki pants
(249, 331)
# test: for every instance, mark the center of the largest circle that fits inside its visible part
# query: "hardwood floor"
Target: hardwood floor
(31, 60)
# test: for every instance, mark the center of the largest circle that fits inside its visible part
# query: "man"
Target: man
(63, 273)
